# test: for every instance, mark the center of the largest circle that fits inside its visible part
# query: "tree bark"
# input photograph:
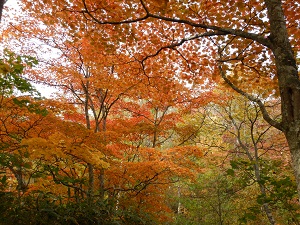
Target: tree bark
(2, 2)
(288, 81)
(90, 192)
(101, 184)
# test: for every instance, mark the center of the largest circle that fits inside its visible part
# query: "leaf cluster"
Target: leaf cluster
(12, 67)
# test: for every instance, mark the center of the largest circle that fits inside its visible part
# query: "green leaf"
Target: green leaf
(230, 172)
(234, 164)
(11, 69)
(3, 180)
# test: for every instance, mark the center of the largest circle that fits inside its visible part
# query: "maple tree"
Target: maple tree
(103, 86)
(234, 44)
(243, 160)
(20, 116)
(252, 139)
(126, 131)
(254, 44)
(56, 155)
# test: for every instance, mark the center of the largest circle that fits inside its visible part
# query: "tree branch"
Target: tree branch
(252, 36)
(181, 42)
(261, 105)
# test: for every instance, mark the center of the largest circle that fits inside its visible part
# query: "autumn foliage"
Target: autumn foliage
(162, 112)
(123, 156)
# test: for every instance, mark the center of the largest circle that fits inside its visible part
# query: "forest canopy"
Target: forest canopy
(160, 112)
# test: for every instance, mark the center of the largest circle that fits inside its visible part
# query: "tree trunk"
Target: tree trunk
(179, 209)
(254, 159)
(2, 2)
(263, 192)
(101, 184)
(288, 81)
(91, 182)
(90, 192)
(294, 145)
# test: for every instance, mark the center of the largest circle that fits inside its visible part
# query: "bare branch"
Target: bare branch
(181, 42)
(261, 105)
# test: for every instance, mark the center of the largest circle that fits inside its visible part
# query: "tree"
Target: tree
(172, 32)
(138, 62)
(237, 141)
(49, 146)
(12, 67)
(249, 141)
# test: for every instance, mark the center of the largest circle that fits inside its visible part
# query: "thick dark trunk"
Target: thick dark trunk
(288, 81)
(2, 2)
(294, 145)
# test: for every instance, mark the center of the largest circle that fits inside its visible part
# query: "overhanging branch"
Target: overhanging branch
(261, 105)
(236, 32)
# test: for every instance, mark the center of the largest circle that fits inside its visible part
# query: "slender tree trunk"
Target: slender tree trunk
(155, 128)
(86, 106)
(18, 173)
(154, 136)
(219, 209)
(263, 192)
(257, 173)
(179, 199)
(101, 184)
(104, 120)
(91, 182)
(90, 192)
(254, 159)
(288, 81)
(101, 175)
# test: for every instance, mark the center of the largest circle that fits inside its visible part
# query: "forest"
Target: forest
(149, 112)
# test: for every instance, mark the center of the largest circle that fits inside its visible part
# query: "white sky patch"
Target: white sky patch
(46, 91)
